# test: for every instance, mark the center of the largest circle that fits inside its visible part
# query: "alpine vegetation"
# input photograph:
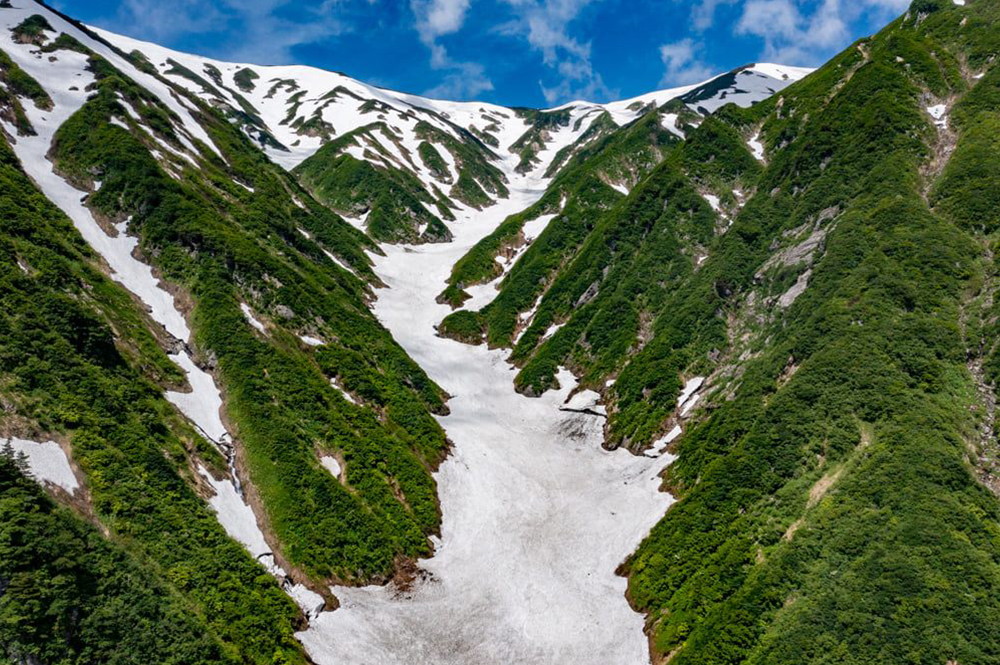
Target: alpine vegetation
(297, 369)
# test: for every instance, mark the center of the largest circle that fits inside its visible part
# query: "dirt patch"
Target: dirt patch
(822, 486)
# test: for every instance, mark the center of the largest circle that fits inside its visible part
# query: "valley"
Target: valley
(296, 369)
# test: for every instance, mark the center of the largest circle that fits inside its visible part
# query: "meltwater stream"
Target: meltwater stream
(536, 514)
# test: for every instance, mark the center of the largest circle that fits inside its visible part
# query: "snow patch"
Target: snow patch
(669, 122)
(552, 330)
(659, 446)
(533, 228)
(238, 519)
(536, 514)
(585, 400)
(343, 392)
(248, 313)
(756, 147)
(331, 464)
(47, 461)
(203, 404)
(689, 396)
(940, 114)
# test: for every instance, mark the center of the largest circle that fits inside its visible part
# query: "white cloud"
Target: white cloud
(258, 34)
(545, 25)
(439, 18)
(703, 13)
(796, 32)
(467, 81)
(682, 65)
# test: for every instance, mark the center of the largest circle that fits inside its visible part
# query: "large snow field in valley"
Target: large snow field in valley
(537, 515)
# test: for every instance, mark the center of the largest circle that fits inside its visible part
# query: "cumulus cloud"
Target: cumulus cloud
(682, 63)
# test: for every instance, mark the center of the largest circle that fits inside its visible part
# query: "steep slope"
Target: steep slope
(62, 580)
(796, 297)
(82, 364)
(398, 164)
(813, 336)
(254, 286)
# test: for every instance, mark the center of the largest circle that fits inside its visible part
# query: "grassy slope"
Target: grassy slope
(224, 244)
(580, 194)
(394, 199)
(397, 203)
(830, 511)
(70, 596)
(829, 508)
(77, 360)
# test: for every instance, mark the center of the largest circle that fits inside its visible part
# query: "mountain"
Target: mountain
(397, 164)
(314, 371)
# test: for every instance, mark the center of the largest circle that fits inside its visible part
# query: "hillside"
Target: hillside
(798, 302)
(315, 371)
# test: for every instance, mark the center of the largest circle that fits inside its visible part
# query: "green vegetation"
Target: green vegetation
(433, 160)
(833, 484)
(477, 176)
(77, 359)
(829, 512)
(830, 505)
(21, 84)
(31, 30)
(224, 245)
(579, 196)
(396, 202)
(70, 596)
(465, 326)
(245, 79)
(17, 84)
(541, 123)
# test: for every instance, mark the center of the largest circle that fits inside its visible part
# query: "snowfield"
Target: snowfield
(537, 515)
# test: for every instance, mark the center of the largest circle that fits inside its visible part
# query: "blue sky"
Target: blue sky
(513, 52)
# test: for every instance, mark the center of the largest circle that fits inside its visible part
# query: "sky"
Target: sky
(535, 53)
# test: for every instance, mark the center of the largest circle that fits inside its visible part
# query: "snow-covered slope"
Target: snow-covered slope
(441, 153)
(302, 108)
